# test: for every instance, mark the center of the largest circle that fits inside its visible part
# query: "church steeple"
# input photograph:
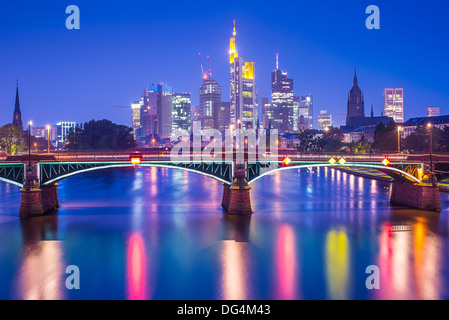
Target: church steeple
(372, 111)
(17, 117)
(356, 101)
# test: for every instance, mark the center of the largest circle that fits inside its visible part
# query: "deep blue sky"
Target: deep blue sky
(122, 46)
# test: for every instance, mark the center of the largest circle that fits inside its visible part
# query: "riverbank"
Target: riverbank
(377, 175)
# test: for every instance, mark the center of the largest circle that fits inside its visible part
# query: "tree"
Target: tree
(307, 141)
(386, 137)
(332, 140)
(11, 139)
(419, 140)
(101, 135)
(444, 139)
(360, 147)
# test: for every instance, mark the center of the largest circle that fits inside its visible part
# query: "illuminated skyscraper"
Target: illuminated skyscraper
(135, 116)
(394, 104)
(282, 99)
(243, 93)
(181, 111)
(306, 109)
(210, 96)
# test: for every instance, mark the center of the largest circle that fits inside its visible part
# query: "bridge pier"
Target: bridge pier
(35, 198)
(236, 197)
(422, 196)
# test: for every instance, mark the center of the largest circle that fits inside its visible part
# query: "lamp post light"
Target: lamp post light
(399, 139)
(429, 125)
(48, 139)
(29, 145)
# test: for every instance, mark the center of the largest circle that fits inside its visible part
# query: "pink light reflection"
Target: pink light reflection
(136, 268)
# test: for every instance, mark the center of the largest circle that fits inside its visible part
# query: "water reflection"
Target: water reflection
(311, 237)
(338, 266)
(409, 258)
(235, 259)
(287, 272)
(42, 271)
(136, 268)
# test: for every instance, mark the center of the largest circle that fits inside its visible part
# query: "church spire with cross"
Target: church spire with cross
(17, 117)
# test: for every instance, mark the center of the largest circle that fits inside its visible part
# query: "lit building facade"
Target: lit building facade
(433, 112)
(394, 104)
(62, 131)
(324, 120)
(181, 108)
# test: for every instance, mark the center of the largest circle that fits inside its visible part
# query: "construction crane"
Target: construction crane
(203, 74)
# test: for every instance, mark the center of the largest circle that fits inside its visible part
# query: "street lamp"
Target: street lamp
(29, 145)
(429, 125)
(48, 138)
(399, 139)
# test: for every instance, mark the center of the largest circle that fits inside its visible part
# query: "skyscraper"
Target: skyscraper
(210, 100)
(282, 99)
(136, 118)
(243, 93)
(17, 116)
(356, 104)
(156, 112)
(181, 111)
(306, 109)
(394, 104)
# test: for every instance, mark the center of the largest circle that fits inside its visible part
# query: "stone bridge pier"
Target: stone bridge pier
(423, 196)
(36, 199)
(236, 197)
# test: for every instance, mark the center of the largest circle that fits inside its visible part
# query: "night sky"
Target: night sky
(122, 46)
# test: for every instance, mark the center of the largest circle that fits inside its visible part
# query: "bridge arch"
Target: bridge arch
(51, 173)
(393, 172)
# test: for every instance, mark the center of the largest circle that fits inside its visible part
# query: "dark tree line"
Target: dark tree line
(100, 135)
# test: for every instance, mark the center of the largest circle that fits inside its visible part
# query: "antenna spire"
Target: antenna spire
(233, 32)
(277, 61)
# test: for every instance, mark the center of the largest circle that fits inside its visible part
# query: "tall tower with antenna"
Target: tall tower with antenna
(243, 92)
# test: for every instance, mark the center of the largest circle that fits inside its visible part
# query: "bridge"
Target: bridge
(414, 184)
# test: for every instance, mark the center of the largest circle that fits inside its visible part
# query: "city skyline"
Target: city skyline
(63, 81)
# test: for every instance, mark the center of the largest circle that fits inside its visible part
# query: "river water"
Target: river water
(148, 233)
